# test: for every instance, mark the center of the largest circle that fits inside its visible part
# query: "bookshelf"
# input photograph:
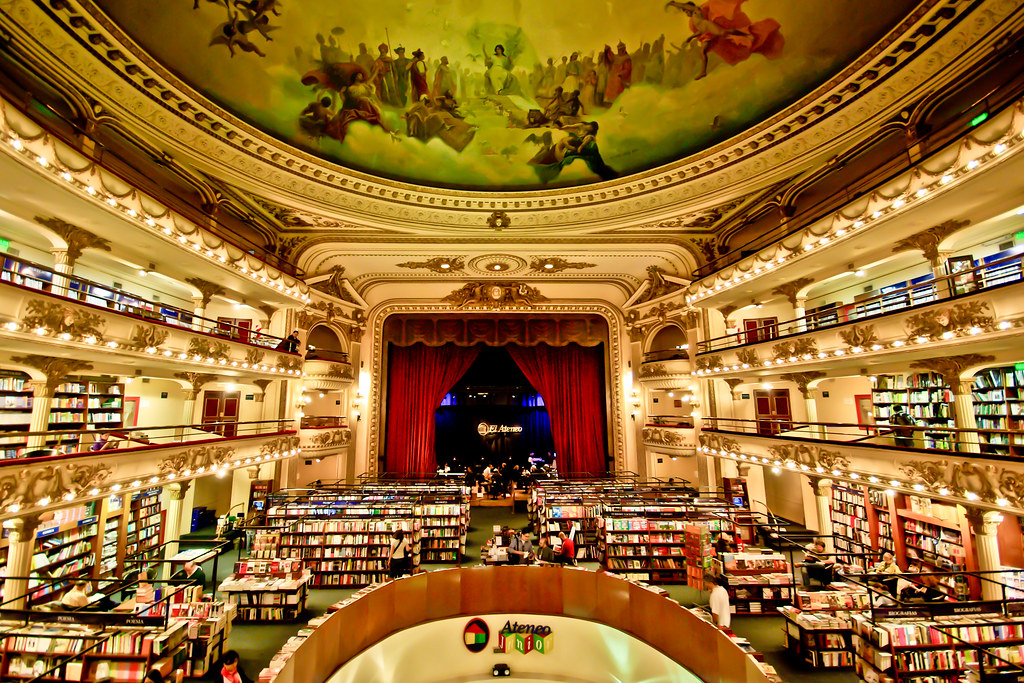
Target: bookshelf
(561, 513)
(924, 396)
(941, 543)
(443, 532)
(63, 552)
(209, 625)
(758, 582)
(627, 547)
(344, 543)
(879, 508)
(258, 492)
(267, 590)
(851, 525)
(698, 554)
(999, 405)
(144, 525)
(923, 649)
(818, 627)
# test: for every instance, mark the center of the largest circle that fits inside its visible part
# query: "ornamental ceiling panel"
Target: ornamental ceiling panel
(505, 96)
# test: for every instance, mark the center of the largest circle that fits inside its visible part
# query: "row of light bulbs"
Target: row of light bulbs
(891, 484)
(896, 204)
(292, 291)
(218, 470)
(821, 355)
(91, 340)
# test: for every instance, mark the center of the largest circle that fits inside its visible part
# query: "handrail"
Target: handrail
(643, 613)
(60, 285)
(935, 141)
(323, 421)
(326, 354)
(957, 285)
(918, 437)
(667, 354)
(114, 439)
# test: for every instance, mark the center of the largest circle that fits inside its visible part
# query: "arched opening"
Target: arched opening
(323, 343)
(669, 343)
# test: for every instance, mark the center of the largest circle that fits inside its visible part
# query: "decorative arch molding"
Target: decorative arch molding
(496, 329)
(336, 329)
(614, 363)
(652, 333)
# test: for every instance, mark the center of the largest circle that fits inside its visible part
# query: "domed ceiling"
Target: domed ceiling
(512, 95)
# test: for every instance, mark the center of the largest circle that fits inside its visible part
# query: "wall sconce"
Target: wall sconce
(356, 404)
(634, 400)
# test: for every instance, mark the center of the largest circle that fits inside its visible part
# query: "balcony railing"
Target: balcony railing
(30, 275)
(666, 354)
(925, 290)
(326, 354)
(57, 444)
(918, 437)
(323, 422)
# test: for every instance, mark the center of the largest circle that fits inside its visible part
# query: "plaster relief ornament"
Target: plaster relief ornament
(495, 295)
(59, 319)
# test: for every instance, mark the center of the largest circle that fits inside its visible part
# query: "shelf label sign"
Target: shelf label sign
(524, 638)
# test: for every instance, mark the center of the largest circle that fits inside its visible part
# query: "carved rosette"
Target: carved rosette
(31, 485)
(59, 319)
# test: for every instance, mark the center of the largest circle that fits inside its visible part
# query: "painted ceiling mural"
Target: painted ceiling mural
(518, 94)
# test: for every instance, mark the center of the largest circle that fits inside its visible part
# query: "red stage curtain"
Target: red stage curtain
(569, 378)
(418, 377)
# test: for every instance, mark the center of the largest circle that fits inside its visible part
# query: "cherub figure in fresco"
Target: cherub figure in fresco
(721, 27)
(579, 143)
(259, 8)
(233, 33)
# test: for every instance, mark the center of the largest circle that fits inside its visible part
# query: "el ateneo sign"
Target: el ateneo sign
(513, 637)
(483, 429)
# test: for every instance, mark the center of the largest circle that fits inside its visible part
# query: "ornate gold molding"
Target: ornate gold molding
(708, 362)
(195, 460)
(555, 264)
(748, 356)
(196, 380)
(790, 289)
(802, 379)
(30, 486)
(208, 348)
(147, 336)
(331, 438)
(438, 264)
(957, 319)
(951, 367)
(927, 241)
(495, 295)
(812, 456)
(805, 348)
(78, 239)
(59, 319)
(859, 336)
(55, 369)
(207, 289)
(672, 438)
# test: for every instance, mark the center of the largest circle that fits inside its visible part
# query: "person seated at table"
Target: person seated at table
(904, 587)
(567, 553)
(545, 554)
(881, 597)
(889, 571)
(820, 566)
(927, 589)
(77, 597)
(193, 572)
(724, 544)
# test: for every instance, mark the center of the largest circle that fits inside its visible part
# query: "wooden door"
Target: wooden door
(760, 329)
(773, 411)
(239, 331)
(221, 406)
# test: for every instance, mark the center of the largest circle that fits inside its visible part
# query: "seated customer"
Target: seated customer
(545, 555)
(77, 597)
(567, 553)
(889, 571)
(928, 590)
(819, 565)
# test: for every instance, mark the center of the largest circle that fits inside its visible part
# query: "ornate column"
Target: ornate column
(985, 525)
(259, 398)
(196, 380)
(207, 291)
(62, 265)
(20, 547)
(951, 368)
(790, 290)
(802, 379)
(172, 521)
(927, 242)
(55, 369)
(823, 505)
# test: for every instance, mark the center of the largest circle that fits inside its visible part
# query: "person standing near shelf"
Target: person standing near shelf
(567, 553)
(721, 611)
(521, 549)
(902, 427)
(399, 559)
(77, 597)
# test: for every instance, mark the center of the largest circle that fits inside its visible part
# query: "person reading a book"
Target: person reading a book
(520, 550)
(889, 572)
(820, 566)
(77, 597)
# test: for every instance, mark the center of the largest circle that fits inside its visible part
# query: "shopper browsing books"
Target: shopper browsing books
(719, 600)
(820, 566)
(567, 553)
(399, 559)
(230, 670)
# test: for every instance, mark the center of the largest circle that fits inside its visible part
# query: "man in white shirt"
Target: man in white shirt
(720, 609)
(77, 597)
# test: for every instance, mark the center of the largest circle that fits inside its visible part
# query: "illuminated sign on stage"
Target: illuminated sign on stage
(483, 429)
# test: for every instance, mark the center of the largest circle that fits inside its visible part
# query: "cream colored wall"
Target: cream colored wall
(155, 411)
(663, 466)
(784, 493)
(840, 405)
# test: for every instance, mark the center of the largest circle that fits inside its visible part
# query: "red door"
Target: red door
(234, 328)
(773, 411)
(221, 406)
(760, 329)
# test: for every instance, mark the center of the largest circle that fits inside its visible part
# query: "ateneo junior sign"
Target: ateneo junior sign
(513, 637)
(483, 429)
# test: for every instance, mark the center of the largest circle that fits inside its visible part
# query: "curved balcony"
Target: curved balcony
(572, 600)
(328, 375)
(321, 437)
(666, 374)
(83, 465)
(672, 436)
(942, 463)
(74, 316)
(896, 327)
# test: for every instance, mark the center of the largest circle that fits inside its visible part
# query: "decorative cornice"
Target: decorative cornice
(555, 264)
(802, 379)
(947, 321)
(438, 264)
(147, 337)
(38, 486)
(60, 320)
(804, 347)
(952, 367)
(207, 289)
(792, 288)
(196, 461)
(196, 380)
